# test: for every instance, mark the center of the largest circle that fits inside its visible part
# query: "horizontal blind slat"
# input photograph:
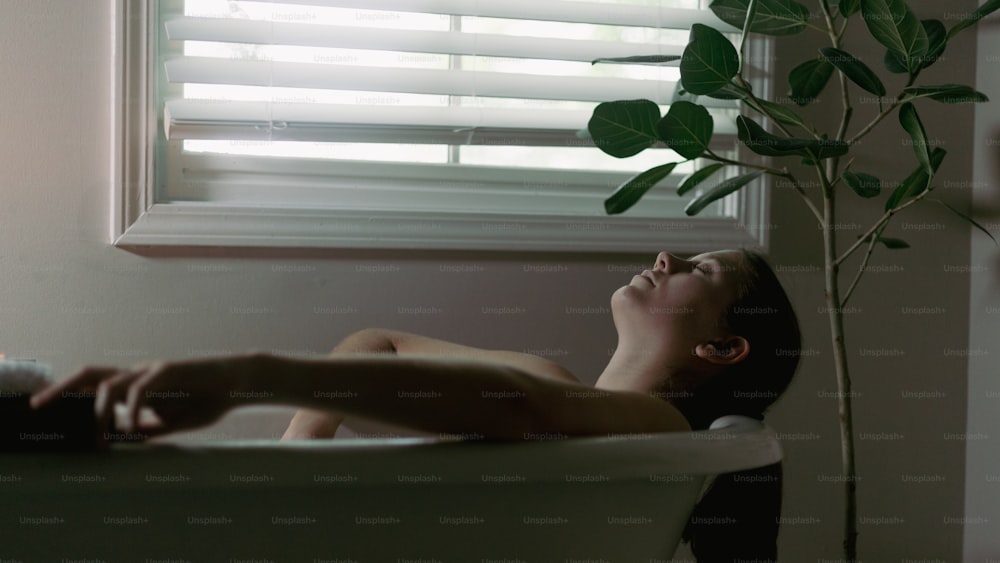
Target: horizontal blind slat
(442, 42)
(206, 119)
(600, 13)
(418, 81)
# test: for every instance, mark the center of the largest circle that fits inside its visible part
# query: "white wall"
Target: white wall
(68, 298)
(982, 470)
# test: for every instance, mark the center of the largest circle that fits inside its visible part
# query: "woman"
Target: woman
(679, 326)
(697, 339)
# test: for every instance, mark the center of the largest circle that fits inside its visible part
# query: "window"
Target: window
(399, 124)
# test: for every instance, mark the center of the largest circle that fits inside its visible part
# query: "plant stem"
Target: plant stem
(747, 24)
(805, 198)
(845, 97)
(885, 217)
(884, 113)
(760, 107)
(835, 313)
(867, 129)
(861, 270)
(774, 172)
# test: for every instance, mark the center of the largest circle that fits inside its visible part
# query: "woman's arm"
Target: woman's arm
(312, 423)
(456, 396)
(452, 396)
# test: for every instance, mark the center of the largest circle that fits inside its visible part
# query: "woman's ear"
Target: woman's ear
(728, 351)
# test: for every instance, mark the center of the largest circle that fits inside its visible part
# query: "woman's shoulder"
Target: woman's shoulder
(407, 344)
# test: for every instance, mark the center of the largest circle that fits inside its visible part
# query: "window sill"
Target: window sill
(201, 224)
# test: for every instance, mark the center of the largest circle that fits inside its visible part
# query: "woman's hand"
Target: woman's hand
(181, 394)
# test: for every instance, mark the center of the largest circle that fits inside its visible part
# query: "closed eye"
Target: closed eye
(703, 268)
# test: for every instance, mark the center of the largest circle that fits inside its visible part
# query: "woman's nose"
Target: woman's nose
(666, 262)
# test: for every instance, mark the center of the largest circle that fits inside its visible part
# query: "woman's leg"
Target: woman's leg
(310, 424)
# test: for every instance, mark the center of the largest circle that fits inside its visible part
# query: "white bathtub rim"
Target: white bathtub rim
(733, 445)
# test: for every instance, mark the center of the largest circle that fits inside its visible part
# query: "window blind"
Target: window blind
(434, 84)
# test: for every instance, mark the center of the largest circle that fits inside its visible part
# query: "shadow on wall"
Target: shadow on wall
(986, 202)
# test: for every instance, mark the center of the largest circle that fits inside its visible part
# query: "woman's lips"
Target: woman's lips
(646, 277)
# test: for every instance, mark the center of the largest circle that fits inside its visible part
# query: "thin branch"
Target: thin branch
(817, 28)
(847, 167)
(902, 97)
(747, 24)
(868, 128)
(885, 218)
(773, 171)
(861, 270)
(845, 97)
(824, 180)
(805, 198)
(760, 107)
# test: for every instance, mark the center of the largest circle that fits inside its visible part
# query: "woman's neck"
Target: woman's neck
(640, 369)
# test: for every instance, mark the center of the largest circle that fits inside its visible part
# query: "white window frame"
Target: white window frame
(138, 220)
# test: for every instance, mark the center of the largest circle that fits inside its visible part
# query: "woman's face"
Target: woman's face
(677, 301)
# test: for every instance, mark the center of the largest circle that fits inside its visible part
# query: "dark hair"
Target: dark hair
(737, 518)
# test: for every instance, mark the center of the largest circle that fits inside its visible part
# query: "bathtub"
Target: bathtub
(596, 499)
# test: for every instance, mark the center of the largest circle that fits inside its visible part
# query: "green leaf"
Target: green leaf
(624, 128)
(656, 60)
(972, 19)
(895, 63)
(910, 121)
(967, 218)
(728, 92)
(857, 71)
(782, 114)
(829, 148)
(849, 7)
(865, 185)
(765, 144)
(808, 80)
(918, 181)
(695, 178)
(687, 129)
(632, 190)
(709, 61)
(893, 243)
(947, 93)
(772, 17)
(752, 8)
(937, 40)
(719, 191)
(893, 24)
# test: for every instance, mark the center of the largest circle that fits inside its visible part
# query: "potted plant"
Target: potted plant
(712, 66)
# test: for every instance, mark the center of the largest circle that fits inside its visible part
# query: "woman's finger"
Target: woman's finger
(151, 426)
(135, 397)
(110, 391)
(87, 378)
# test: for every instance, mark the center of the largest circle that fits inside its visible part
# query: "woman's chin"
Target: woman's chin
(630, 293)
